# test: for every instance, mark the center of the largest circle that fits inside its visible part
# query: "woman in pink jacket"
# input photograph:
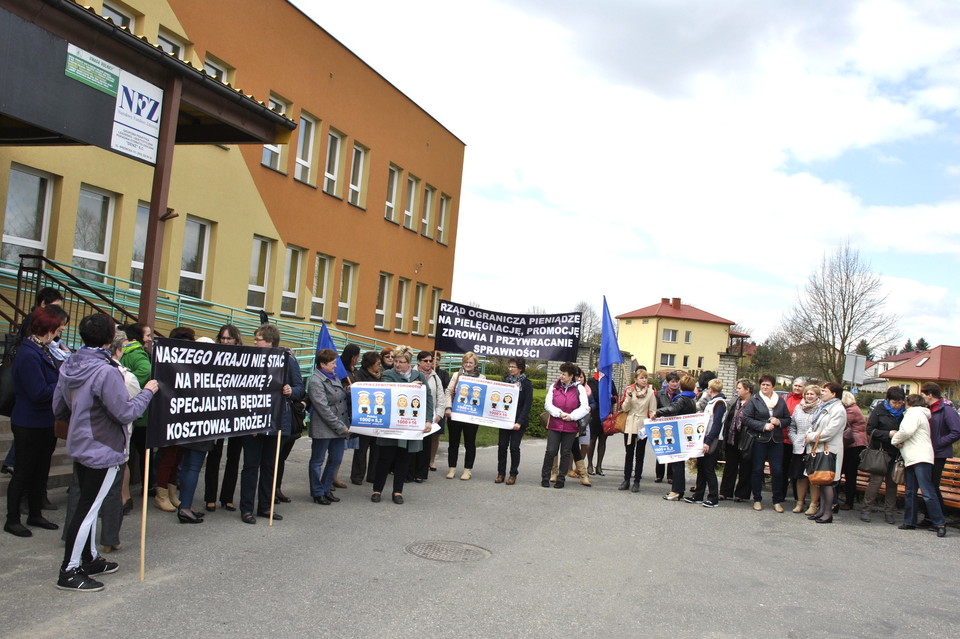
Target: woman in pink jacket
(854, 441)
(566, 403)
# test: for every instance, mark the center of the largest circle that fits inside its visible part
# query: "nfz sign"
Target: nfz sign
(136, 120)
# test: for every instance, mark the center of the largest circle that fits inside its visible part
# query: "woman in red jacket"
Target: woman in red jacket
(854, 441)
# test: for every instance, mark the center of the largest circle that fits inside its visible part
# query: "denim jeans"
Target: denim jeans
(772, 452)
(190, 465)
(332, 449)
(920, 476)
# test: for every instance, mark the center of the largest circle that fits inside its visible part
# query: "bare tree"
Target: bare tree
(536, 310)
(589, 323)
(841, 304)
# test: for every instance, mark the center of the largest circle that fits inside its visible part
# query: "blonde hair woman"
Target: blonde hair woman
(468, 368)
(639, 403)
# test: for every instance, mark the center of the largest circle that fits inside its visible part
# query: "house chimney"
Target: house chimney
(675, 303)
(664, 300)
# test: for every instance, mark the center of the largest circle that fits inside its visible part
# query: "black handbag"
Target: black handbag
(745, 441)
(874, 461)
(821, 467)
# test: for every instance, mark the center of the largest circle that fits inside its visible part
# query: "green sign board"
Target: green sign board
(92, 71)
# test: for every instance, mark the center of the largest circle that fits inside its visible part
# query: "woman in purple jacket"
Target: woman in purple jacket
(566, 403)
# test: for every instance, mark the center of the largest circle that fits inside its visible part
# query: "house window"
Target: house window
(139, 243)
(291, 281)
(305, 135)
(668, 360)
(348, 274)
(356, 176)
(193, 261)
(27, 214)
(443, 219)
(434, 310)
(669, 335)
(331, 176)
(321, 275)
(700, 362)
(272, 153)
(410, 202)
(629, 322)
(646, 321)
(418, 295)
(393, 177)
(686, 337)
(172, 44)
(259, 270)
(91, 240)
(399, 321)
(120, 17)
(383, 298)
(426, 226)
(686, 361)
(216, 69)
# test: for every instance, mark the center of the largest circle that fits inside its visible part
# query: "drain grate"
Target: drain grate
(447, 551)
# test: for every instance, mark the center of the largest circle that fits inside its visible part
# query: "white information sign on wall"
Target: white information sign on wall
(136, 120)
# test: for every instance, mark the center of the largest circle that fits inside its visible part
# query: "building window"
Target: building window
(193, 261)
(418, 295)
(393, 177)
(331, 176)
(434, 310)
(259, 270)
(216, 69)
(443, 219)
(667, 360)
(172, 44)
(348, 275)
(139, 243)
(28, 214)
(321, 275)
(91, 240)
(686, 361)
(426, 224)
(272, 153)
(410, 202)
(669, 335)
(291, 281)
(305, 136)
(357, 165)
(383, 299)
(686, 337)
(646, 321)
(120, 17)
(700, 362)
(399, 318)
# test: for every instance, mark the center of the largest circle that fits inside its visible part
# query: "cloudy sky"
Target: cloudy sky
(703, 149)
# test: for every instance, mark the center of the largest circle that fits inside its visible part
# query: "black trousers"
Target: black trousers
(509, 439)
(211, 476)
(636, 449)
(365, 460)
(557, 443)
(395, 458)
(737, 471)
(34, 450)
(421, 460)
(706, 478)
(851, 462)
(286, 445)
(469, 432)
(81, 529)
(256, 478)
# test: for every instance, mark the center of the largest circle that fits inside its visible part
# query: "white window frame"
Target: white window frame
(200, 276)
(272, 153)
(46, 191)
(410, 201)
(667, 359)
(384, 285)
(687, 337)
(111, 199)
(172, 44)
(426, 224)
(291, 281)
(434, 310)
(418, 296)
(670, 335)
(321, 280)
(306, 133)
(686, 361)
(393, 179)
(126, 19)
(216, 69)
(348, 273)
(400, 305)
(259, 288)
(443, 218)
(331, 169)
(135, 264)
(356, 175)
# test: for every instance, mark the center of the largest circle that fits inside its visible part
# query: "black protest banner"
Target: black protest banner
(461, 329)
(209, 391)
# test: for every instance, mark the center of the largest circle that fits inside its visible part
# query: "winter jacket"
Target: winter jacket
(756, 415)
(297, 392)
(391, 375)
(570, 399)
(879, 425)
(329, 418)
(830, 427)
(34, 380)
(137, 361)
(944, 429)
(715, 409)
(638, 409)
(914, 433)
(855, 433)
(681, 405)
(92, 396)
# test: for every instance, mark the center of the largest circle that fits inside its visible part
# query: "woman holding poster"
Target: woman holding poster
(457, 392)
(566, 403)
(516, 368)
(329, 425)
(395, 453)
(684, 403)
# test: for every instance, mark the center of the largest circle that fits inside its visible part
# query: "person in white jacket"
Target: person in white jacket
(916, 448)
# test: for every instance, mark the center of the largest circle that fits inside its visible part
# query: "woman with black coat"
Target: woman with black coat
(516, 367)
(683, 403)
(884, 419)
(766, 416)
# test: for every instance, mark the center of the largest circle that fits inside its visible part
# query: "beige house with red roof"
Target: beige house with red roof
(671, 335)
(940, 365)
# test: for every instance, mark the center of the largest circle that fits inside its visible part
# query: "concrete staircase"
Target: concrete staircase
(61, 466)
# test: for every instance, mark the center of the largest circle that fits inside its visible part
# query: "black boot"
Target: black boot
(636, 487)
(625, 485)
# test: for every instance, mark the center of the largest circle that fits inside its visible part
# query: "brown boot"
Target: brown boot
(555, 471)
(162, 501)
(172, 495)
(582, 471)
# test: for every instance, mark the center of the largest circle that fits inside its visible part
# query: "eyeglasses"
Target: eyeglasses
(427, 359)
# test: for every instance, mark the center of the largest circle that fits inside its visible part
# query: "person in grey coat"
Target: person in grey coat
(329, 426)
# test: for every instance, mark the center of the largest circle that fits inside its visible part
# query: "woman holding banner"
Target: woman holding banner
(329, 426)
(395, 453)
(369, 371)
(516, 368)
(228, 334)
(566, 403)
(683, 403)
(468, 368)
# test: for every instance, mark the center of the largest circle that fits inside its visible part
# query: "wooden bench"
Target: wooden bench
(949, 484)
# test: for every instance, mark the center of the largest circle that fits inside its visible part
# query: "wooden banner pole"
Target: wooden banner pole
(276, 464)
(143, 511)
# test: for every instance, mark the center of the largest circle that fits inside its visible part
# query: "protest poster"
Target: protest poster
(209, 391)
(463, 329)
(485, 402)
(389, 409)
(676, 439)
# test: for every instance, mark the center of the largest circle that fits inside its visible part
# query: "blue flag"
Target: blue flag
(325, 341)
(609, 355)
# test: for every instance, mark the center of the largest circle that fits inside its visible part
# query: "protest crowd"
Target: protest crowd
(796, 448)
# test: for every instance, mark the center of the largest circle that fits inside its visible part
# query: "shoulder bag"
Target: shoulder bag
(821, 467)
(899, 472)
(874, 461)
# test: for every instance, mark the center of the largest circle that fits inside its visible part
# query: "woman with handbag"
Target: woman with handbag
(683, 403)
(916, 448)
(825, 437)
(715, 409)
(566, 403)
(639, 404)
(799, 425)
(883, 422)
(854, 443)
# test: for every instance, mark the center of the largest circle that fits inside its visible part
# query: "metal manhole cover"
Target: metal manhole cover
(447, 551)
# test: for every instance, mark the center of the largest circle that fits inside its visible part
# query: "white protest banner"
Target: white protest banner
(676, 439)
(485, 402)
(389, 409)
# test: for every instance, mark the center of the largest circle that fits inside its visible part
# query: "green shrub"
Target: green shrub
(865, 398)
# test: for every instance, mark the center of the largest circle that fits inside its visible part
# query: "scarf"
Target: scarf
(736, 423)
(406, 375)
(689, 394)
(809, 407)
(44, 347)
(475, 373)
(895, 412)
(331, 376)
(771, 401)
(514, 379)
(821, 409)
